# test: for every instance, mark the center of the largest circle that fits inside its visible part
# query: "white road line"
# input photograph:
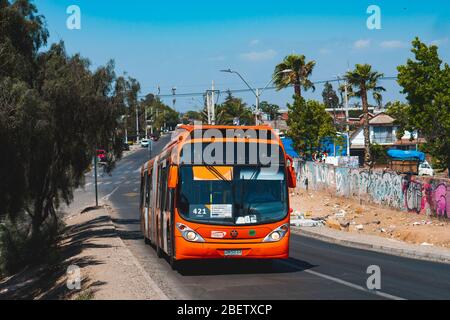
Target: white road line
(107, 183)
(346, 283)
(106, 198)
(88, 184)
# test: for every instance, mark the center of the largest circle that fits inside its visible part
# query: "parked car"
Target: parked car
(145, 143)
(126, 147)
(154, 137)
(425, 169)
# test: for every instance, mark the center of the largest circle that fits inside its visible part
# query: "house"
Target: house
(382, 131)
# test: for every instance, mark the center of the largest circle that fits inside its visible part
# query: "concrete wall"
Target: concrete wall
(410, 193)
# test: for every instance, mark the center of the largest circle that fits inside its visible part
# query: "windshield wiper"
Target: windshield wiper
(217, 173)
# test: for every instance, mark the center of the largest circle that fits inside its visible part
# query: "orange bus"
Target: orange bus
(218, 192)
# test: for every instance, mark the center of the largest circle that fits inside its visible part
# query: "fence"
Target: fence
(405, 192)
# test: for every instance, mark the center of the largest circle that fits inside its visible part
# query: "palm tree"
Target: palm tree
(363, 80)
(300, 71)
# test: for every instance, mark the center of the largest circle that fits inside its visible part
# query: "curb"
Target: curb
(407, 253)
(150, 281)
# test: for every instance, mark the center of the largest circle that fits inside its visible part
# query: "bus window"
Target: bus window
(147, 190)
(142, 193)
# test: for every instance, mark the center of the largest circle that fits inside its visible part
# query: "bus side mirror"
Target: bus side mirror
(292, 177)
(173, 177)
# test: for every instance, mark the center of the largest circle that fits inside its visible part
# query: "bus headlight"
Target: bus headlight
(277, 234)
(189, 234)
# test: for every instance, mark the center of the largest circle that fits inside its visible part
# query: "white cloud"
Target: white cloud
(254, 42)
(218, 58)
(393, 44)
(324, 51)
(257, 56)
(439, 42)
(361, 44)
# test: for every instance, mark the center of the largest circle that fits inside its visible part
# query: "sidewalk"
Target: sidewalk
(375, 243)
(107, 269)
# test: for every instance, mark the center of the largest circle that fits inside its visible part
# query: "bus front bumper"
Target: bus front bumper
(186, 250)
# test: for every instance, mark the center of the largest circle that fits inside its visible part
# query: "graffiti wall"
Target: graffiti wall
(405, 192)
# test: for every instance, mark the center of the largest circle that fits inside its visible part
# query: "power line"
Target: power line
(193, 94)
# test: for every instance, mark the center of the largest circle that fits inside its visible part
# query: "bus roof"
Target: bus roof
(182, 132)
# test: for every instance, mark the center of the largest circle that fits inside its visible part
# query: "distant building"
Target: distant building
(382, 131)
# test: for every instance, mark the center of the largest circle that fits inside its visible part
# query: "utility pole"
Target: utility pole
(213, 106)
(347, 128)
(164, 116)
(152, 121)
(174, 100)
(137, 123)
(258, 94)
(208, 106)
(126, 131)
(146, 124)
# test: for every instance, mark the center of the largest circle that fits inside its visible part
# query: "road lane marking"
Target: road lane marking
(346, 283)
(106, 198)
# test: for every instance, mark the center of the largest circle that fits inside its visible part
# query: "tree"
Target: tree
(425, 81)
(330, 98)
(233, 108)
(300, 71)
(54, 113)
(400, 112)
(191, 116)
(270, 109)
(363, 80)
(309, 123)
(132, 89)
(22, 34)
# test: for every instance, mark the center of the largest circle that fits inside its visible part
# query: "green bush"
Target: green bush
(378, 154)
(18, 249)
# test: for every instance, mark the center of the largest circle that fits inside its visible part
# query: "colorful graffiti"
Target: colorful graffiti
(405, 192)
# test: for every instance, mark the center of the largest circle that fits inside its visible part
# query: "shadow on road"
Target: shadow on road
(241, 266)
(125, 229)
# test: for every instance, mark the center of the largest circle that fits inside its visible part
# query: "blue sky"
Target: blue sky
(185, 43)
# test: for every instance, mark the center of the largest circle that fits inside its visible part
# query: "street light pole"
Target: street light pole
(257, 92)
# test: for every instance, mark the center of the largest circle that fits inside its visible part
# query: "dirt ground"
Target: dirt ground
(107, 269)
(350, 215)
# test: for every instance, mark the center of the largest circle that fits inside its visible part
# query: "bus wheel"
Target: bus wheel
(159, 252)
(172, 261)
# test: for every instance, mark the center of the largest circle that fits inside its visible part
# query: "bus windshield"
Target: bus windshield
(232, 195)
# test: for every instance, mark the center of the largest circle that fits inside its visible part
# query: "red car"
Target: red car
(101, 155)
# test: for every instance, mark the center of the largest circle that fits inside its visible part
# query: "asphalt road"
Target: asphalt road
(315, 269)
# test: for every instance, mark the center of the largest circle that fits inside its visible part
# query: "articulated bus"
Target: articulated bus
(218, 192)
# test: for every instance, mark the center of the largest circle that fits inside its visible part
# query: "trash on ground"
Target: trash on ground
(306, 223)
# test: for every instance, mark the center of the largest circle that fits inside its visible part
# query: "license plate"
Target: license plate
(233, 253)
